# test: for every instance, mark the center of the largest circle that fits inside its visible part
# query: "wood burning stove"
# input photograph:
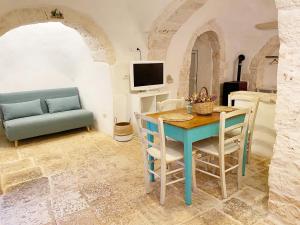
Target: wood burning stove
(237, 85)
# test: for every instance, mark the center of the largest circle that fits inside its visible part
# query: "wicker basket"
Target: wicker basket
(123, 131)
(204, 108)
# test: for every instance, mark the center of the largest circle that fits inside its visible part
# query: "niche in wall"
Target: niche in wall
(52, 55)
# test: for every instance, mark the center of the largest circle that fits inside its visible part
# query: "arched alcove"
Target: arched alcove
(52, 55)
(255, 77)
(93, 35)
(214, 37)
(95, 38)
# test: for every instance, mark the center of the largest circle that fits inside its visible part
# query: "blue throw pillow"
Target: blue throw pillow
(22, 109)
(63, 104)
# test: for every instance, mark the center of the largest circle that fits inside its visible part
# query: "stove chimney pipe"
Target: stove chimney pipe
(241, 59)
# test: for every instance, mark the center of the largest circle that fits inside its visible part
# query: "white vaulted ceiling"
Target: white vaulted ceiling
(128, 22)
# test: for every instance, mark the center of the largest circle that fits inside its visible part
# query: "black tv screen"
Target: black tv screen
(147, 74)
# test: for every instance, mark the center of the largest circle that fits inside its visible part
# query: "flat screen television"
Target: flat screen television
(147, 75)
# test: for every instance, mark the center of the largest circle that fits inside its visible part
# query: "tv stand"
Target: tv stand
(145, 102)
(147, 92)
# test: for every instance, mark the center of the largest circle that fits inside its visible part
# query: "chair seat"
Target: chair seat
(211, 146)
(234, 133)
(174, 151)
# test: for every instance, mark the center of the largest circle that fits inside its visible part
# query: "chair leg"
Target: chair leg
(222, 177)
(16, 143)
(194, 174)
(163, 178)
(88, 128)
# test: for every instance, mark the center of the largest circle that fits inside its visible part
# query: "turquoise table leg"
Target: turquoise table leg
(188, 169)
(151, 139)
(245, 154)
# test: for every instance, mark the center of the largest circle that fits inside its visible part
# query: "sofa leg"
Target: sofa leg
(16, 144)
(88, 128)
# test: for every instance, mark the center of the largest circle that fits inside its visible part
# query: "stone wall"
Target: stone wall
(167, 24)
(96, 39)
(284, 179)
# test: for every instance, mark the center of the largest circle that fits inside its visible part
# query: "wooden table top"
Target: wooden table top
(197, 121)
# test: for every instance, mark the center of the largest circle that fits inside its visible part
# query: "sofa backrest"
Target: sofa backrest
(24, 96)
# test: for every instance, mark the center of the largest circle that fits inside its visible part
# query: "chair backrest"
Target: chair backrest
(242, 101)
(239, 129)
(149, 137)
(170, 104)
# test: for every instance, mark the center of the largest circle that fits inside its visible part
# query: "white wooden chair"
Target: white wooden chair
(220, 147)
(167, 152)
(170, 104)
(244, 101)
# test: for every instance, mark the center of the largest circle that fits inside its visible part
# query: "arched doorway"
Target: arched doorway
(202, 62)
(263, 68)
(213, 38)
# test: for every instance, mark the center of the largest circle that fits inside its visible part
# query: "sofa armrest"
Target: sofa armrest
(1, 117)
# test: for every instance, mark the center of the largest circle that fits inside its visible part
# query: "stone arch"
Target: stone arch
(256, 68)
(216, 40)
(167, 24)
(99, 44)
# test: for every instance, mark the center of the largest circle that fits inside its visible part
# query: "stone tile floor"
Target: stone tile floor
(86, 178)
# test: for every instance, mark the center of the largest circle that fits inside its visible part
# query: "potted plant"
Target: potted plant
(202, 102)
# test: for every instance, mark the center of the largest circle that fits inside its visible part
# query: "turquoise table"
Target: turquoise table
(199, 128)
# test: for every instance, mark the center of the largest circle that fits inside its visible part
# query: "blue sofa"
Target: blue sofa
(46, 122)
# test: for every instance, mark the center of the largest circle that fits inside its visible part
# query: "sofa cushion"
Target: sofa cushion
(63, 104)
(21, 109)
(48, 123)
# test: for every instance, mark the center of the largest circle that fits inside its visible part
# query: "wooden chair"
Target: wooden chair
(220, 147)
(170, 104)
(167, 152)
(244, 101)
